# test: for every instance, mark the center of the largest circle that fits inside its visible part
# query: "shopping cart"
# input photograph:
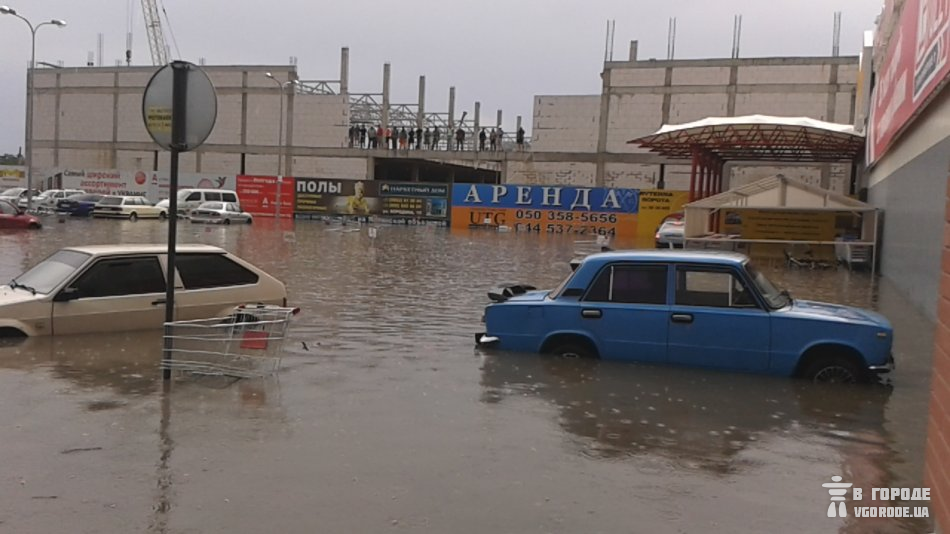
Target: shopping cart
(245, 344)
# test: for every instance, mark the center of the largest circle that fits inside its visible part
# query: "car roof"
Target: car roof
(671, 255)
(106, 250)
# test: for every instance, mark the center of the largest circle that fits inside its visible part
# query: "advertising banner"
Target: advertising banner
(322, 196)
(916, 64)
(258, 195)
(655, 205)
(547, 209)
(12, 176)
(152, 184)
(780, 224)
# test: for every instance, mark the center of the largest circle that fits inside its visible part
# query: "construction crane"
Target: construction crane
(156, 38)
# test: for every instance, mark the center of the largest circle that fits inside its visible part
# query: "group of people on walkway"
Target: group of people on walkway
(424, 139)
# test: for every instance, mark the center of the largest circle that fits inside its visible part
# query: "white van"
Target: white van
(189, 199)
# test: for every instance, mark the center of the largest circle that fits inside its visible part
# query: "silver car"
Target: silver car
(671, 234)
(220, 213)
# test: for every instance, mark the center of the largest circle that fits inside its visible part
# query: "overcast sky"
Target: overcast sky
(500, 52)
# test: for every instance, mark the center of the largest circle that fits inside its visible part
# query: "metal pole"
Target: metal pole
(29, 123)
(179, 114)
(692, 174)
(280, 148)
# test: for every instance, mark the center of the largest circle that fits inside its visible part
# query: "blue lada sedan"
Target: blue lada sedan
(695, 308)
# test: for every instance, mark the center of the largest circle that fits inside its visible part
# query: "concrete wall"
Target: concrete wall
(320, 120)
(551, 173)
(565, 123)
(908, 184)
(317, 167)
(642, 96)
(937, 472)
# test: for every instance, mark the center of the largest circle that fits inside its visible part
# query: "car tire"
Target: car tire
(133, 216)
(250, 220)
(227, 221)
(34, 226)
(573, 349)
(834, 370)
(162, 215)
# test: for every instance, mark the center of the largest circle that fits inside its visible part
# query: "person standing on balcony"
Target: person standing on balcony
(460, 139)
(427, 139)
(519, 138)
(435, 138)
(482, 136)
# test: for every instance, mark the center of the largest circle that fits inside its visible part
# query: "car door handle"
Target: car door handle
(681, 318)
(591, 314)
(157, 302)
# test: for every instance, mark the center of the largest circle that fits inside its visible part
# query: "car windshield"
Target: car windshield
(672, 225)
(560, 287)
(111, 201)
(775, 298)
(183, 194)
(49, 273)
(12, 192)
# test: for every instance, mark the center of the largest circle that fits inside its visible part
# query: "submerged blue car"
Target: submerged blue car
(78, 205)
(697, 308)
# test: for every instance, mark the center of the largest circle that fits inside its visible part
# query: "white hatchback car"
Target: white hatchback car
(114, 288)
(131, 208)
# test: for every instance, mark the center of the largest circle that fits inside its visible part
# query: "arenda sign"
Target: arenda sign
(538, 197)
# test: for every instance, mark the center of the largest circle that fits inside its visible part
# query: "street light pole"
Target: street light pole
(6, 10)
(280, 135)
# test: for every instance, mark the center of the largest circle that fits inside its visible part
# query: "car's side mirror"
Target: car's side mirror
(67, 294)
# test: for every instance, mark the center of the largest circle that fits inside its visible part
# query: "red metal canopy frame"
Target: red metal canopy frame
(710, 143)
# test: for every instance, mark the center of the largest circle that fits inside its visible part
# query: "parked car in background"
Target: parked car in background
(189, 199)
(220, 213)
(12, 216)
(112, 288)
(696, 308)
(671, 234)
(79, 205)
(49, 199)
(132, 208)
(17, 194)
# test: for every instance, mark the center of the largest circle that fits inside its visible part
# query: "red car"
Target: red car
(13, 217)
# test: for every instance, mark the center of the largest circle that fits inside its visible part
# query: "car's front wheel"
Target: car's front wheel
(573, 349)
(227, 221)
(834, 370)
(162, 215)
(133, 216)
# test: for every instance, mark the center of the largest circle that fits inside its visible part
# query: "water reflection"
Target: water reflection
(700, 420)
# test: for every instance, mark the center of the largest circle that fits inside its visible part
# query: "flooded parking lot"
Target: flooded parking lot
(386, 418)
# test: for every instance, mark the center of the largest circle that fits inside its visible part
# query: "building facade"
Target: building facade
(583, 139)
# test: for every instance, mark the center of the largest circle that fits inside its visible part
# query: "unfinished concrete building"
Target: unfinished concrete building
(582, 139)
(91, 118)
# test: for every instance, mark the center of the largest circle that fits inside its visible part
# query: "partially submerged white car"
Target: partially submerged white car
(114, 288)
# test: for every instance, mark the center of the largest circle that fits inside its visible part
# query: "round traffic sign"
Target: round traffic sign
(200, 103)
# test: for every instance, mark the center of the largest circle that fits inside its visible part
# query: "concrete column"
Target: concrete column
(633, 50)
(386, 75)
(421, 115)
(518, 124)
(602, 128)
(498, 120)
(478, 113)
(344, 71)
(451, 132)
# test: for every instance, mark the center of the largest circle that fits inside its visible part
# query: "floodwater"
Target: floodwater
(391, 421)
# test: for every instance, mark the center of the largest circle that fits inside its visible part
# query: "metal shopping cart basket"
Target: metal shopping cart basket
(246, 344)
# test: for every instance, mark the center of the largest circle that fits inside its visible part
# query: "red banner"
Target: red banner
(258, 195)
(916, 64)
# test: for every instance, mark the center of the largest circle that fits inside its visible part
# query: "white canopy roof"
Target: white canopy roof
(781, 192)
(749, 120)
